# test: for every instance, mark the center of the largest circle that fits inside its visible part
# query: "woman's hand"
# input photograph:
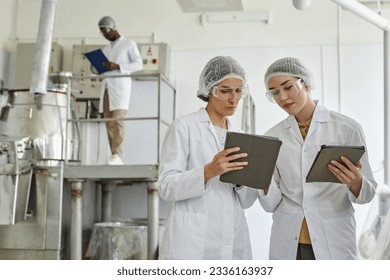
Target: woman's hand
(222, 163)
(349, 174)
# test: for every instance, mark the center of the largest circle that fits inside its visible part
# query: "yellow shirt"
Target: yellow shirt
(304, 236)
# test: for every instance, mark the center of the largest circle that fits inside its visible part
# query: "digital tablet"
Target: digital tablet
(262, 153)
(319, 171)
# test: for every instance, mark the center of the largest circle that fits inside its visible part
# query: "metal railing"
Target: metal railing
(141, 76)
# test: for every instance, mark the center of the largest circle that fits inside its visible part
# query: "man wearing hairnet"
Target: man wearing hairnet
(124, 59)
(312, 220)
(206, 219)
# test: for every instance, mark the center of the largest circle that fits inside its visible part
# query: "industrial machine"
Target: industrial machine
(36, 140)
(42, 177)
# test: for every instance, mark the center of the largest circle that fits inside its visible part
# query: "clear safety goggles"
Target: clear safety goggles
(225, 93)
(105, 30)
(291, 89)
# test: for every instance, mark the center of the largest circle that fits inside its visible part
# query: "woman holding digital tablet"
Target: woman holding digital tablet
(312, 220)
(206, 219)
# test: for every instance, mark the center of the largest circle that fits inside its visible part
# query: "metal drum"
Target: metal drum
(43, 118)
(120, 240)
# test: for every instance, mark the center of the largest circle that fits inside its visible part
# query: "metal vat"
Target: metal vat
(43, 118)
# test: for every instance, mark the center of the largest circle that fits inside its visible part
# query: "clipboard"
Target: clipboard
(262, 153)
(97, 58)
(319, 170)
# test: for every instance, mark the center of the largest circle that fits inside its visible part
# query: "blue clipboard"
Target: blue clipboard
(97, 58)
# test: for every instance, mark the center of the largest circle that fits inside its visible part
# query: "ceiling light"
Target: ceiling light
(301, 4)
(234, 17)
(202, 6)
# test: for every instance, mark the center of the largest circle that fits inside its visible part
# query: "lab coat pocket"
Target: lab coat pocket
(184, 237)
(279, 235)
(340, 236)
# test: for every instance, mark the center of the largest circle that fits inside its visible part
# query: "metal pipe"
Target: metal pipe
(107, 189)
(339, 66)
(76, 229)
(65, 133)
(362, 11)
(381, 22)
(153, 220)
(159, 93)
(40, 68)
(386, 70)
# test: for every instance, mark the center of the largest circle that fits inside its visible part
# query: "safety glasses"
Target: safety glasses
(291, 89)
(225, 93)
(105, 30)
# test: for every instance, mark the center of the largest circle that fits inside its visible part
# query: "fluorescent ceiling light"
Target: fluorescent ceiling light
(234, 17)
(201, 6)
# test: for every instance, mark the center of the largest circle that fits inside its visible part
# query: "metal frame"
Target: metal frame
(112, 175)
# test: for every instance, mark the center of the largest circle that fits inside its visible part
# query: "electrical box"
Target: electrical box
(24, 61)
(86, 88)
(155, 57)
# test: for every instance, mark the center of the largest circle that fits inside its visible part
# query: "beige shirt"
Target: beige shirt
(304, 236)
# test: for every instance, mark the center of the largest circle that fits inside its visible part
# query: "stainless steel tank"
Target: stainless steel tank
(54, 137)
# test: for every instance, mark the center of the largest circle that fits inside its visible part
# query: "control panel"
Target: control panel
(86, 88)
(155, 57)
(16, 154)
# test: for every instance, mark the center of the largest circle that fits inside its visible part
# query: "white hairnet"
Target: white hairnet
(107, 22)
(216, 70)
(289, 66)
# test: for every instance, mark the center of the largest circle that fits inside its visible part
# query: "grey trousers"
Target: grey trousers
(305, 252)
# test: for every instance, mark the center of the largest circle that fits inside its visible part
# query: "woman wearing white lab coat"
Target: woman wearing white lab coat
(206, 218)
(326, 208)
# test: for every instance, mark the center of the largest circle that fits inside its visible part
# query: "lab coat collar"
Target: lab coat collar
(203, 116)
(115, 43)
(320, 115)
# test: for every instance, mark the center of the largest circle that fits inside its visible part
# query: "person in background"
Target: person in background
(124, 59)
(312, 220)
(206, 218)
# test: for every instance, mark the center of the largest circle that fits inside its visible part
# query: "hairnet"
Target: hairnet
(289, 66)
(107, 22)
(216, 70)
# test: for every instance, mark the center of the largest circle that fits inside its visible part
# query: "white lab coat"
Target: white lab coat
(206, 221)
(125, 53)
(327, 206)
